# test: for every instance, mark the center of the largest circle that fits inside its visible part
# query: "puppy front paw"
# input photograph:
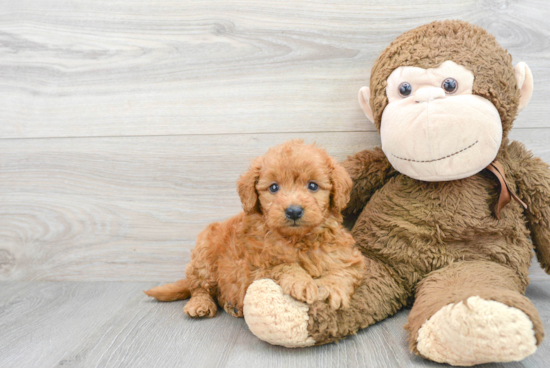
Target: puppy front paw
(337, 297)
(300, 288)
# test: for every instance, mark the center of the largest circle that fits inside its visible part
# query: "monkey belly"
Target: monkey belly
(417, 227)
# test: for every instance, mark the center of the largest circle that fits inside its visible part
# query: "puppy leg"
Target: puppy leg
(233, 310)
(338, 289)
(294, 281)
(200, 305)
(340, 283)
(202, 272)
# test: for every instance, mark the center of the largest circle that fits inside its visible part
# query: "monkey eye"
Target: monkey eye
(313, 186)
(405, 89)
(450, 85)
(274, 188)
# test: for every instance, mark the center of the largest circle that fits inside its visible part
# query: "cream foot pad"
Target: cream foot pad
(481, 332)
(275, 317)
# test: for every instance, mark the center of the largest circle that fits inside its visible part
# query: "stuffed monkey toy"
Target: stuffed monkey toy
(430, 204)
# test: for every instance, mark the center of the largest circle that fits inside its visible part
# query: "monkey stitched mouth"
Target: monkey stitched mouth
(436, 159)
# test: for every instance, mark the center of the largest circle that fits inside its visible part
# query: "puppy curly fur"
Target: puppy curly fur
(313, 258)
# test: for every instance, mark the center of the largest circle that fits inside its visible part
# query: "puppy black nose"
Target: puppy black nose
(294, 212)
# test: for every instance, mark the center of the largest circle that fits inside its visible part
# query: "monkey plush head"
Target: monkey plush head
(443, 96)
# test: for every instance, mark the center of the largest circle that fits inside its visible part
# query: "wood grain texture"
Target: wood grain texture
(124, 126)
(184, 86)
(78, 68)
(124, 208)
(129, 208)
(41, 322)
(112, 324)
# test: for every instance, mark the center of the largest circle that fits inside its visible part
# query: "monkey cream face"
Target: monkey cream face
(434, 128)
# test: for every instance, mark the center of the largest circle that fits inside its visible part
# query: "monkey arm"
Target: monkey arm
(381, 294)
(369, 170)
(532, 176)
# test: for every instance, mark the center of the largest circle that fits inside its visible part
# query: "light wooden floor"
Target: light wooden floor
(112, 324)
(124, 126)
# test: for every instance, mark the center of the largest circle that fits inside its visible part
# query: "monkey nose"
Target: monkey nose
(428, 94)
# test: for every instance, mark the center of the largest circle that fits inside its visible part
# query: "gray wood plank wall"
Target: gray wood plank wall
(124, 125)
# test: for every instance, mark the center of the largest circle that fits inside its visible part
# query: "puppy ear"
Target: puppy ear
(341, 186)
(246, 186)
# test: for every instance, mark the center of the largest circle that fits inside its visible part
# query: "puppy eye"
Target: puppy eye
(274, 188)
(450, 85)
(313, 186)
(405, 89)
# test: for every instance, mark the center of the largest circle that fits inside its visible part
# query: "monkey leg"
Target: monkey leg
(200, 305)
(472, 313)
(282, 320)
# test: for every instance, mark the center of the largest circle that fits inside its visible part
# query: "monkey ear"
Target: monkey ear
(364, 97)
(246, 186)
(524, 79)
(341, 186)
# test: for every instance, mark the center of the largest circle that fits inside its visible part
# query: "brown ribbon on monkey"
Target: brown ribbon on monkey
(504, 197)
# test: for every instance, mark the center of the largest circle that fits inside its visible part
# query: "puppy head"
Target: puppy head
(296, 187)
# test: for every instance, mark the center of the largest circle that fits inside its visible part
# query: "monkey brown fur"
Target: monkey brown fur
(312, 257)
(435, 244)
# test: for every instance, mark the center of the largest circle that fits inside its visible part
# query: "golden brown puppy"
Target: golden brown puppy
(290, 231)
